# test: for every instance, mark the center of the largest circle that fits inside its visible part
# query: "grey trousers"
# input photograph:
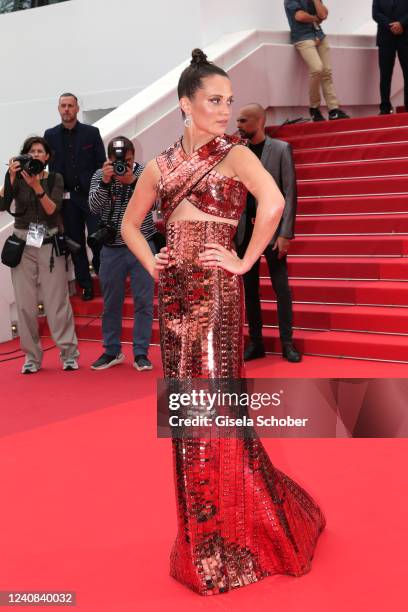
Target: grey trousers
(32, 273)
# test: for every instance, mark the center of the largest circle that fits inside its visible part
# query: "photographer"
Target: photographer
(111, 189)
(38, 197)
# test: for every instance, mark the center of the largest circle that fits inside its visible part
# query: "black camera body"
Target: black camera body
(64, 245)
(31, 165)
(120, 165)
(105, 234)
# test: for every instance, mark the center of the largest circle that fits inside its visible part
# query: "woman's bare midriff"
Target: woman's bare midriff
(186, 211)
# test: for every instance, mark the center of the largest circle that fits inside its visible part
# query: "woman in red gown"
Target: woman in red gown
(239, 518)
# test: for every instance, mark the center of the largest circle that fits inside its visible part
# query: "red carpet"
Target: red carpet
(88, 501)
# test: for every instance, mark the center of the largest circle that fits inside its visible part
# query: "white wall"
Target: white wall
(218, 18)
(108, 50)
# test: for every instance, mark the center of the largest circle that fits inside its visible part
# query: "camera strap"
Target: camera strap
(124, 200)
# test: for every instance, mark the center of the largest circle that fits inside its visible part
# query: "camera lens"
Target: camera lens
(120, 167)
(34, 166)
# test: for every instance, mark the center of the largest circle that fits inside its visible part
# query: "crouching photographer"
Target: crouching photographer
(111, 189)
(31, 254)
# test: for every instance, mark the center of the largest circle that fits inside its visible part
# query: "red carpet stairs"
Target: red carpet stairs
(349, 262)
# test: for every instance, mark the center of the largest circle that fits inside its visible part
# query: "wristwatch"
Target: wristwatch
(40, 195)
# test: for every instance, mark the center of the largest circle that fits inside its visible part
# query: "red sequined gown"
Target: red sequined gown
(239, 518)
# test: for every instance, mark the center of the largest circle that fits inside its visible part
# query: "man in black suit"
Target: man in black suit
(77, 152)
(276, 157)
(392, 39)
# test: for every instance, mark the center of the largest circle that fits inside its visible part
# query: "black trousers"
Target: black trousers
(76, 216)
(278, 271)
(386, 57)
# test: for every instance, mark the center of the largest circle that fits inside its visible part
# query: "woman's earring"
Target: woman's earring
(187, 121)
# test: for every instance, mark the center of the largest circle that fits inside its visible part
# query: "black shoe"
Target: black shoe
(389, 111)
(290, 352)
(316, 115)
(106, 361)
(87, 294)
(142, 363)
(337, 113)
(254, 351)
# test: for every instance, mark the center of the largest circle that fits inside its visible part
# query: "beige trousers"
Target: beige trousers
(317, 57)
(32, 273)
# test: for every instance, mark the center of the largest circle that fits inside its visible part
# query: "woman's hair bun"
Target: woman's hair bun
(198, 57)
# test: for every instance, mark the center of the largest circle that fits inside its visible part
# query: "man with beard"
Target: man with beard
(77, 152)
(276, 157)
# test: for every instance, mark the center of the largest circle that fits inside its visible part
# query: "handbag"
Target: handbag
(12, 251)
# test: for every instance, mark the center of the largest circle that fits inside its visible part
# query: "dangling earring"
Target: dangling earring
(188, 121)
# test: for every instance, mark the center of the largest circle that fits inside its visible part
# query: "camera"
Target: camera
(64, 245)
(105, 234)
(120, 165)
(31, 165)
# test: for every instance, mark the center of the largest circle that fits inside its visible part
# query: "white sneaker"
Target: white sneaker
(29, 368)
(70, 364)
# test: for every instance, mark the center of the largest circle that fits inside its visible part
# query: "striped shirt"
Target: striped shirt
(117, 195)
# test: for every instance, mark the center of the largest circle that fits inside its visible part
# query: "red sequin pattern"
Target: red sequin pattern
(239, 518)
(214, 194)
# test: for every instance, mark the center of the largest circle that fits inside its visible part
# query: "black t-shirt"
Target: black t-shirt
(69, 139)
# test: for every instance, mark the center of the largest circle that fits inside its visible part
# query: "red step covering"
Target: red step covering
(356, 204)
(351, 187)
(350, 291)
(374, 319)
(383, 293)
(385, 167)
(350, 245)
(358, 123)
(373, 268)
(350, 153)
(342, 139)
(355, 224)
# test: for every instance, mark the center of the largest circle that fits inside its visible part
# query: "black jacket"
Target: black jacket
(89, 152)
(387, 11)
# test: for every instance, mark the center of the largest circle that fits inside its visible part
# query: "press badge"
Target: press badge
(35, 236)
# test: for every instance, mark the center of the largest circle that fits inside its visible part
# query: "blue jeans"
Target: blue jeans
(116, 264)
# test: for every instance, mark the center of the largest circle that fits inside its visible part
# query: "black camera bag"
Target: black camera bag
(12, 251)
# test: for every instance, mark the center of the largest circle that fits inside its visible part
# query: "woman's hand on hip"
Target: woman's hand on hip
(161, 261)
(217, 256)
